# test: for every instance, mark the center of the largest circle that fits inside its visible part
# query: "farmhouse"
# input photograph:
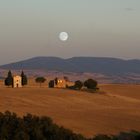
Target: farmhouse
(60, 83)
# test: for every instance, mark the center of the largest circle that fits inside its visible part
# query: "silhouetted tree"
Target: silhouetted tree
(90, 84)
(78, 84)
(9, 79)
(66, 78)
(40, 80)
(56, 80)
(24, 79)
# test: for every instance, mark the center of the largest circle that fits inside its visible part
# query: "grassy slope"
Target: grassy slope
(82, 112)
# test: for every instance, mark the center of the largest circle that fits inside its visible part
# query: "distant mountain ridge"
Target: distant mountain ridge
(78, 64)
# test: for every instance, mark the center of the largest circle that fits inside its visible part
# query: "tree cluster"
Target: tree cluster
(9, 79)
(89, 84)
(31, 127)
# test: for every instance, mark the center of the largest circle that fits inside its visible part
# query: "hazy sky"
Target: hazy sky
(29, 28)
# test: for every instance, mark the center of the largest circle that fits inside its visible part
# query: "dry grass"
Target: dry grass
(84, 113)
(128, 90)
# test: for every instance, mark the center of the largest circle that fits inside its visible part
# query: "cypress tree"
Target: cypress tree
(56, 80)
(9, 79)
(24, 79)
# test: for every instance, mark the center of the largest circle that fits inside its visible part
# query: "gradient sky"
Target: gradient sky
(109, 28)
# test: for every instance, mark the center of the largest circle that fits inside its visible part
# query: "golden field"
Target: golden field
(89, 114)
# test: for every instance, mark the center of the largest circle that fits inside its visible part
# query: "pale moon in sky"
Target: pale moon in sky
(63, 36)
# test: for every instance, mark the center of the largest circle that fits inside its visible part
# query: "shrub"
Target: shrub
(78, 84)
(102, 137)
(91, 84)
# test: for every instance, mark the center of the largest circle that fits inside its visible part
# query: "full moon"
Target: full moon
(63, 36)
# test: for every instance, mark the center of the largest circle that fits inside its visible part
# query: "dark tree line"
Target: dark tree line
(32, 127)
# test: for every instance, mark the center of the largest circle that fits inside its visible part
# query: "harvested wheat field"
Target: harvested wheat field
(85, 113)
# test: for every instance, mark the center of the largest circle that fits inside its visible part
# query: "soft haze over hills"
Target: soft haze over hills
(29, 28)
(78, 64)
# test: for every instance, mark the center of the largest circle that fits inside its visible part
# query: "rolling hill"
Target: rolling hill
(78, 64)
(88, 114)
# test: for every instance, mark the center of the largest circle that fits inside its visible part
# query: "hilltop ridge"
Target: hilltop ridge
(78, 64)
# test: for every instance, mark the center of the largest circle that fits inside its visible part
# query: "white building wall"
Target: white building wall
(17, 81)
